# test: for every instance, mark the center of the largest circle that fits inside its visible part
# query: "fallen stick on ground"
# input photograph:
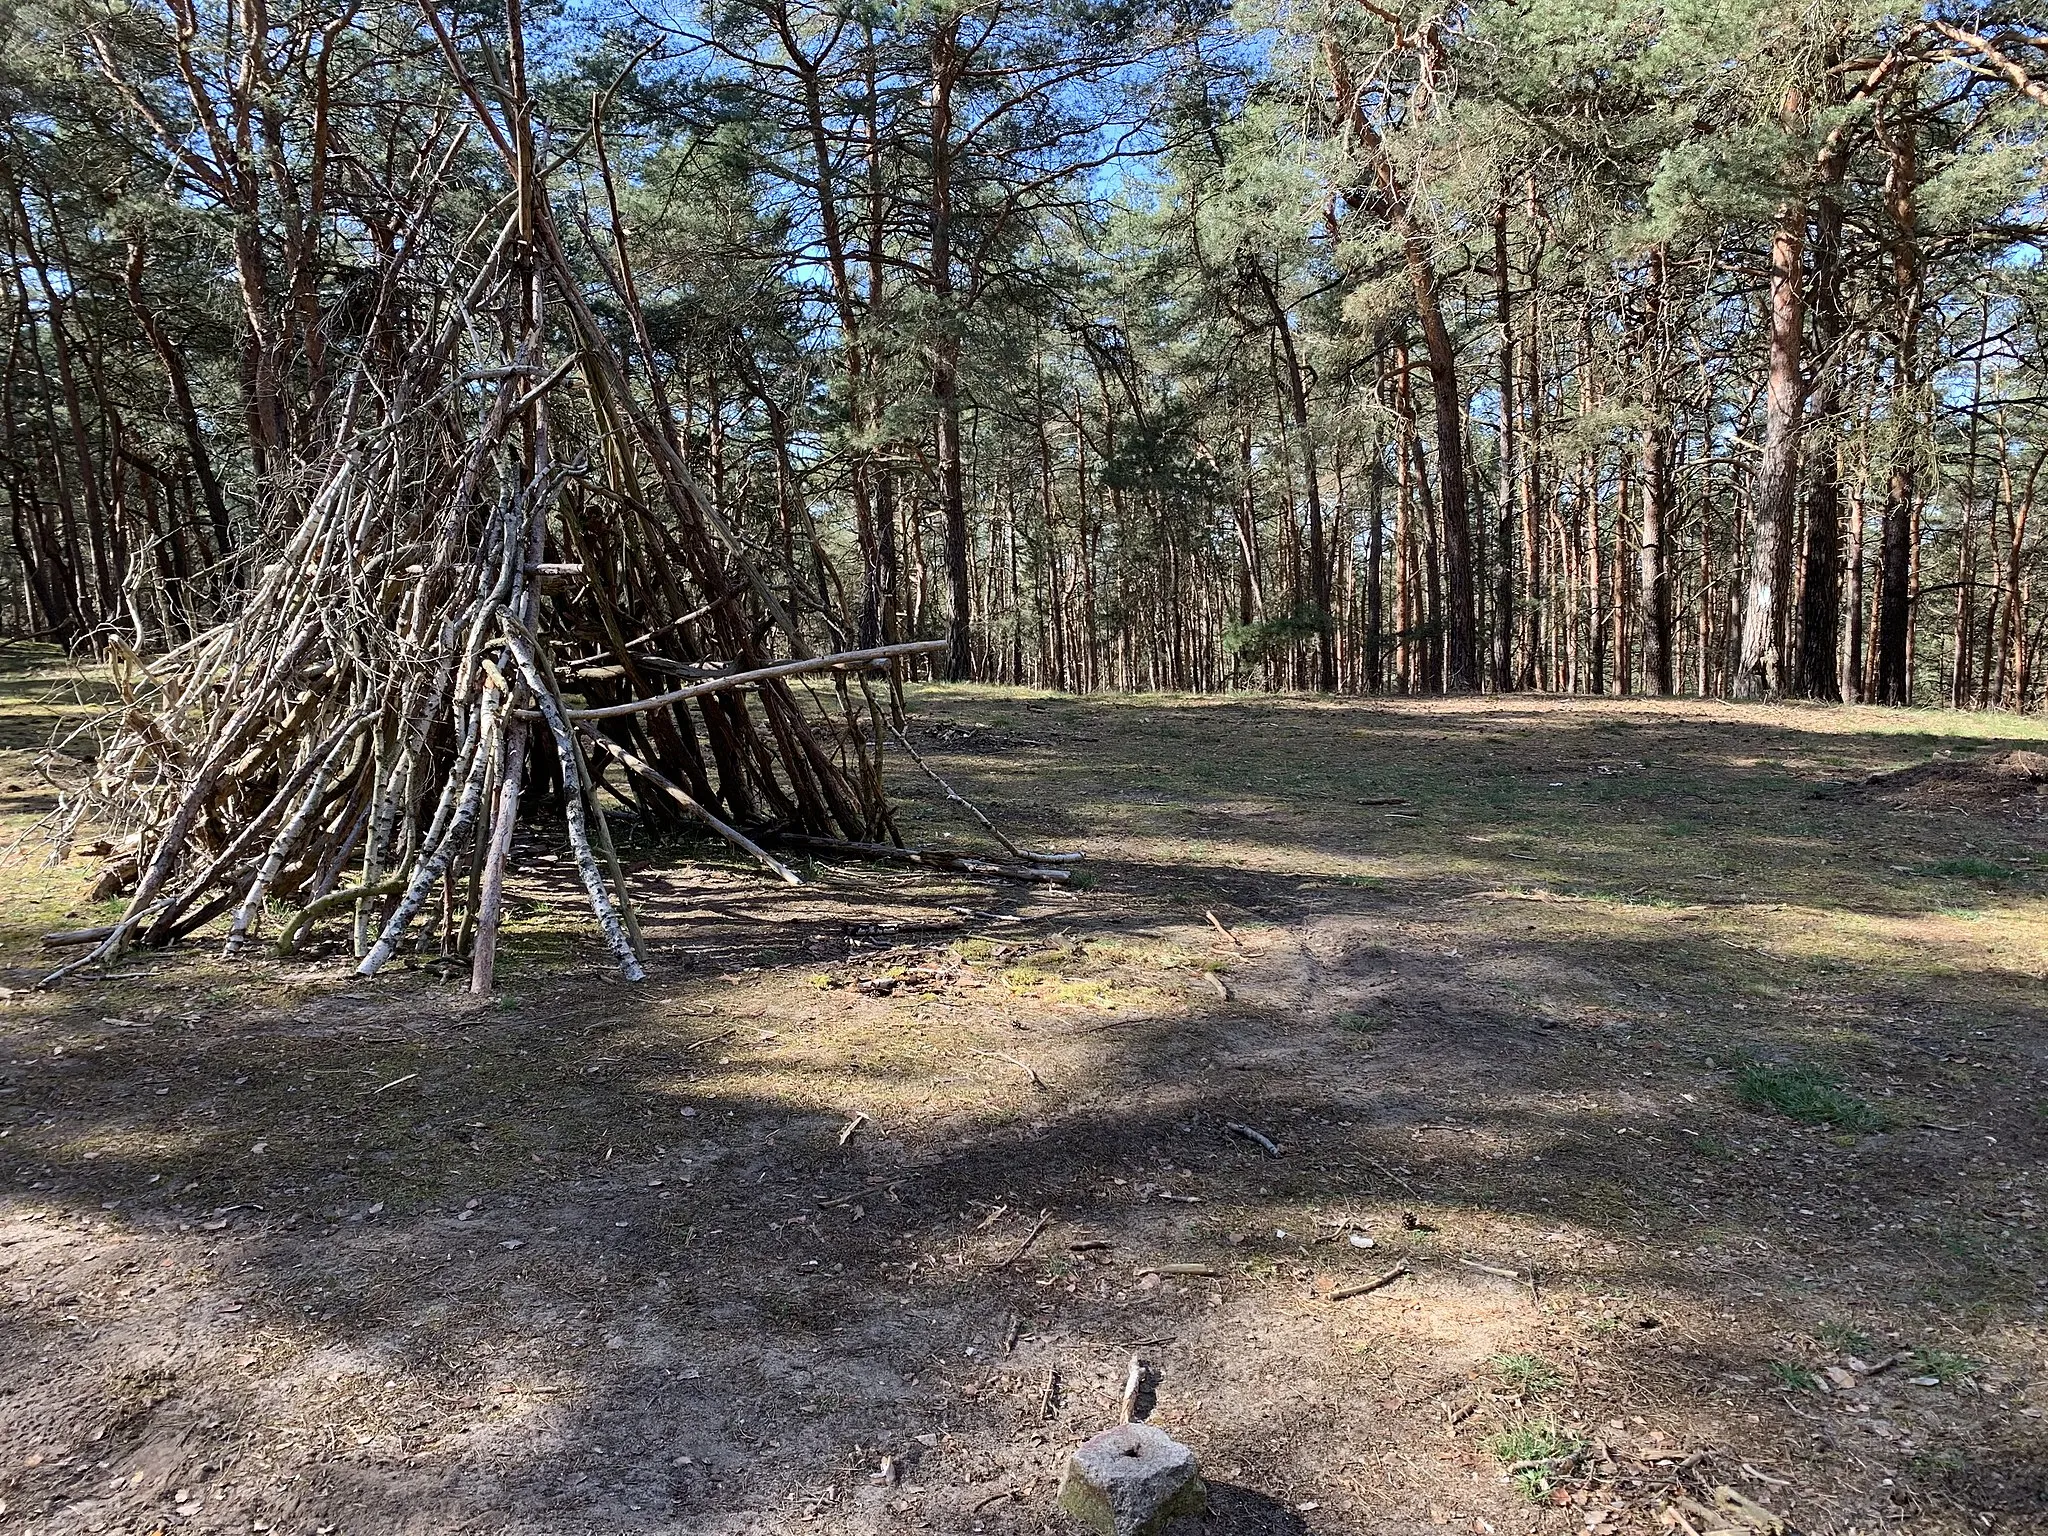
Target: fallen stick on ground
(1036, 1080)
(70, 936)
(888, 853)
(1272, 1147)
(826, 1203)
(1491, 1269)
(301, 920)
(976, 812)
(1366, 1287)
(1129, 1409)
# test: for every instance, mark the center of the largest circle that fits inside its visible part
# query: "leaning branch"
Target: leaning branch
(759, 675)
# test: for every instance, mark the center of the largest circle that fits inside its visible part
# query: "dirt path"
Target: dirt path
(1531, 996)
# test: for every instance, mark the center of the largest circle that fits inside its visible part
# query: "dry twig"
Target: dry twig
(1029, 1238)
(1367, 1287)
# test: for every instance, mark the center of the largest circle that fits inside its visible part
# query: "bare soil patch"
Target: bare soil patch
(2002, 777)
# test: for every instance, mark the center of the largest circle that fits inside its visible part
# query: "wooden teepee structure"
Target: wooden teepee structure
(497, 579)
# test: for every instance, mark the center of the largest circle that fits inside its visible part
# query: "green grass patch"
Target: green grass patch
(1793, 1376)
(1530, 1375)
(1845, 1337)
(1809, 1095)
(1712, 1148)
(1936, 1462)
(1536, 1452)
(1944, 1365)
(1973, 869)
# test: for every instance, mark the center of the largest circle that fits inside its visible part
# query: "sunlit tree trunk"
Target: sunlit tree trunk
(1760, 664)
(1653, 575)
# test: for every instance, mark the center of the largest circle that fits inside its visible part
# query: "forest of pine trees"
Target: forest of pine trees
(1602, 346)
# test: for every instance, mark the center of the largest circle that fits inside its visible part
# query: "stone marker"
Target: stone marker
(1131, 1480)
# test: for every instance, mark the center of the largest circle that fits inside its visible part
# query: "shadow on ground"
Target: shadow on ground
(906, 1168)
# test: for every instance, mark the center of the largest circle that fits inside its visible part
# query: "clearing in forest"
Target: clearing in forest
(1686, 1079)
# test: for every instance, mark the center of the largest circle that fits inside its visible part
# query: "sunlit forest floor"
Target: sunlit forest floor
(1696, 1080)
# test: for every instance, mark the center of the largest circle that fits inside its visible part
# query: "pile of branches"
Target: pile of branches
(498, 583)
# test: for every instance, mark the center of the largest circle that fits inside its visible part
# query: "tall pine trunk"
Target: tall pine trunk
(1760, 664)
(1895, 553)
(1817, 668)
(1504, 575)
(1653, 574)
(945, 66)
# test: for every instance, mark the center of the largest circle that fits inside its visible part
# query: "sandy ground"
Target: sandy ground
(852, 1219)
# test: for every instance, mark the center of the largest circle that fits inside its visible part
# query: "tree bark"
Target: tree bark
(1817, 665)
(946, 63)
(1295, 379)
(1653, 576)
(1895, 554)
(1504, 574)
(1853, 663)
(1530, 484)
(1375, 618)
(1405, 609)
(1760, 665)
(1461, 623)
